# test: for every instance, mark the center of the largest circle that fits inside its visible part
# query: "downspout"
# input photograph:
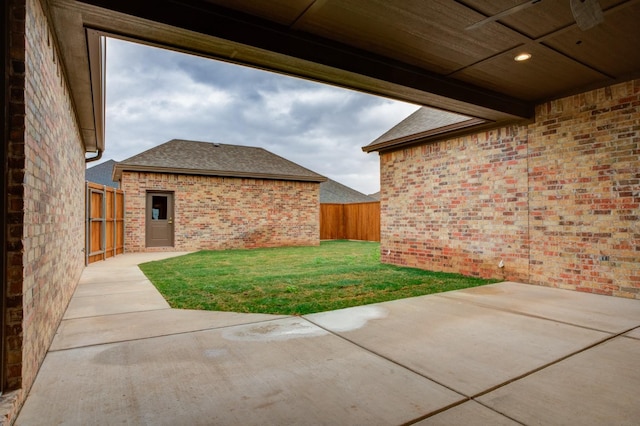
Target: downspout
(97, 50)
(96, 158)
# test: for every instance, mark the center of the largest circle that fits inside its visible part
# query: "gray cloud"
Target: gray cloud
(155, 95)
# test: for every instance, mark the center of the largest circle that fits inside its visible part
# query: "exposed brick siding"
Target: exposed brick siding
(46, 197)
(221, 213)
(15, 207)
(558, 200)
(585, 192)
(458, 205)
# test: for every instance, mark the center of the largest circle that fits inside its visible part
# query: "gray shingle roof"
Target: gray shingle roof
(424, 122)
(216, 159)
(101, 174)
(335, 192)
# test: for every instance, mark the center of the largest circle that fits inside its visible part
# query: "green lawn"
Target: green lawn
(293, 280)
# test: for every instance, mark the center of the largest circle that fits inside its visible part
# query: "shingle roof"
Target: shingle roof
(102, 174)
(335, 192)
(215, 159)
(425, 122)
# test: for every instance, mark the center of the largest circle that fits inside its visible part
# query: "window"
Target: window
(159, 207)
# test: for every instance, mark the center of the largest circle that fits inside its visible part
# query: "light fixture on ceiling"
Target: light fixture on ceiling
(521, 57)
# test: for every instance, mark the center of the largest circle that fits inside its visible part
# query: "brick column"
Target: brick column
(15, 194)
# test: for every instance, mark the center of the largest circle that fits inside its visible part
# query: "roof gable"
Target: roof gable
(423, 123)
(335, 192)
(215, 159)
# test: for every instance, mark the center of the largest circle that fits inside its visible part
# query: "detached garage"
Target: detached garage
(188, 195)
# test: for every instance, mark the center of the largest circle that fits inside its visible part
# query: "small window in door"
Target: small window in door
(158, 207)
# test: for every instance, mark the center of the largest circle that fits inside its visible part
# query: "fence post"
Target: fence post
(87, 232)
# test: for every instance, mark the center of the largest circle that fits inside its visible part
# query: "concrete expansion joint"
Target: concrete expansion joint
(475, 398)
(176, 333)
(523, 314)
(556, 361)
(116, 281)
(433, 413)
(108, 315)
(386, 358)
(631, 336)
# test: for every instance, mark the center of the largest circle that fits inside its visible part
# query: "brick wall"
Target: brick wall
(46, 198)
(585, 192)
(558, 200)
(15, 197)
(458, 205)
(222, 213)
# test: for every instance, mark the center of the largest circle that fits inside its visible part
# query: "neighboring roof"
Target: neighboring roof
(102, 174)
(215, 159)
(422, 124)
(335, 192)
(375, 196)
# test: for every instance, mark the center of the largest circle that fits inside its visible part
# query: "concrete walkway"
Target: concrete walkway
(502, 354)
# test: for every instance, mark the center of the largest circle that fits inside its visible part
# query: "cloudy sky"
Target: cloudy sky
(156, 95)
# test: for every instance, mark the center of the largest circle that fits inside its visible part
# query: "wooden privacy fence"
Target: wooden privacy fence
(104, 222)
(357, 221)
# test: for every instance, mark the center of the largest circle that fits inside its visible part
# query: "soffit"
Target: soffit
(434, 36)
(413, 50)
(431, 38)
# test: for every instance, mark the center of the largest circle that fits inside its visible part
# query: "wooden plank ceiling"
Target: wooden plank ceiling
(433, 35)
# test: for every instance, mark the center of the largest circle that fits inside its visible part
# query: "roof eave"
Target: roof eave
(427, 135)
(83, 56)
(97, 47)
(119, 168)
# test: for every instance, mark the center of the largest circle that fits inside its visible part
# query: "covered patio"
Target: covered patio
(569, 113)
(505, 353)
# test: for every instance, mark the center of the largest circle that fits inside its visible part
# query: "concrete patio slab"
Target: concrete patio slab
(147, 299)
(596, 387)
(286, 371)
(469, 413)
(74, 333)
(525, 354)
(611, 314)
(101, 288)
(134, 259)
(122, 268)
(92, 275)
(466, 347)
(116, 286)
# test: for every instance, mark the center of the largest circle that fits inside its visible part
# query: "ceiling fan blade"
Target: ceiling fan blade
(587, 13)
(502, 14)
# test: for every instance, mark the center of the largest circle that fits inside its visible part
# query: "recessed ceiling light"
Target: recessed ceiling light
(522, 57)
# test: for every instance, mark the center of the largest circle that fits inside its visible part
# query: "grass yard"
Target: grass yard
(293, 280)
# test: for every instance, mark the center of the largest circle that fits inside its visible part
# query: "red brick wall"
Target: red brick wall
(458, 205)
(46, 198)
(558, 201)
(585, 192)
(222, 213)
(15, 195)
